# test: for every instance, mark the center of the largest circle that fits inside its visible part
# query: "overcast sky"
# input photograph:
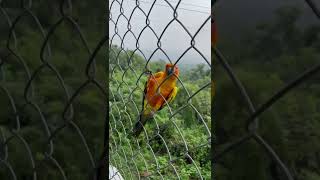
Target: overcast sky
(192, 13)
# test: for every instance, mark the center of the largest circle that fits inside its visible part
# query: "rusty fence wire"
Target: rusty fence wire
(164, 149)
(53, 114)
(253, 121)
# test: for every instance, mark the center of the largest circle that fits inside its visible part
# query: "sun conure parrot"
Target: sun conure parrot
(155, 97)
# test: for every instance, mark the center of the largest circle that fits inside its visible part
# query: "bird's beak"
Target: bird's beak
(170, 71)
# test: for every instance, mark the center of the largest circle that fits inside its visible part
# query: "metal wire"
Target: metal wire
(139, 158)
(71, 93)
(255, 112)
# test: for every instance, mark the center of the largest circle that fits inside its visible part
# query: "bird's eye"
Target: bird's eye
(170, 70)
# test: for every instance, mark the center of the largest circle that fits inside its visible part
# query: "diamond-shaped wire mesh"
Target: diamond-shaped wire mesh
(222, 150)
(168, 147)
(52, 90)
(19, 100)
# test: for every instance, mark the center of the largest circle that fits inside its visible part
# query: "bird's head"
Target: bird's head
(171, 69)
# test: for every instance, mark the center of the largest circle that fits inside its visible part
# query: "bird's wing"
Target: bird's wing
(173, 94)
(159, 74)
(170, 97)
(144, 94)
(150, 86)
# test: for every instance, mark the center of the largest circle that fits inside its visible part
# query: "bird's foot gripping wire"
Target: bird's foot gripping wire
(147, 71)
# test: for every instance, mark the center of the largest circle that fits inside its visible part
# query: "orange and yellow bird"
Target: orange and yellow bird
(159, 90)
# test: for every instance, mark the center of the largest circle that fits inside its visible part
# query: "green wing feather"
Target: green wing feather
(173, 94)
(170, 97)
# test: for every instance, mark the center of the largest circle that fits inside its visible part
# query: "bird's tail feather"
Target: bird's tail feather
(138, 127)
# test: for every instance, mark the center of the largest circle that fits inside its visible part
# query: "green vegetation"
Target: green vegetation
(274, 54)
(182, 133)
(69, 57)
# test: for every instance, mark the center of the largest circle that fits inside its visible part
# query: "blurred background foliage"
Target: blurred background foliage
(275, 52)
(69, 56)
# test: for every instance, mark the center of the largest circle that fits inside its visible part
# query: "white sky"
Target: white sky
(175, 40)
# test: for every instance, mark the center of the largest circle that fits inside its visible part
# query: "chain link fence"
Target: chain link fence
(52, 91)
(252, 122)
(27, 153)
(170, 146)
